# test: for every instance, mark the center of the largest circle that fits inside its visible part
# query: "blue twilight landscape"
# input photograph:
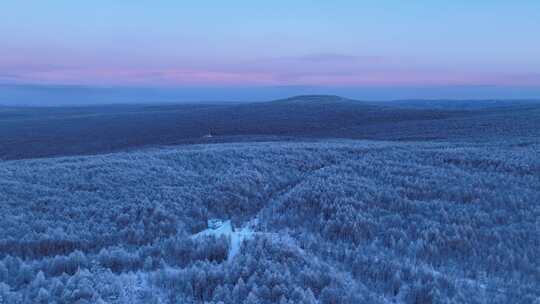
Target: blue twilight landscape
(269, 152)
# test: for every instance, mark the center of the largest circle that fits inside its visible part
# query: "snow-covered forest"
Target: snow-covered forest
(339, 221)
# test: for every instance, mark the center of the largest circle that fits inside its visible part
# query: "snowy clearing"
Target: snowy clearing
(225, 228)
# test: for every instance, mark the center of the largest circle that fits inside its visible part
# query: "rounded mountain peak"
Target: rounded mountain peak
(315, 98)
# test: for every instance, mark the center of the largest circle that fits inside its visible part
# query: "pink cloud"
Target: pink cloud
(117, 76)
(317, 69)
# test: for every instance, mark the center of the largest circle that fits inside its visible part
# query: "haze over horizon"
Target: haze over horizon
(175, 51)
(58, 95)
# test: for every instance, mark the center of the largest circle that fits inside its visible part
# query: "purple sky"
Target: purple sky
(246, 44)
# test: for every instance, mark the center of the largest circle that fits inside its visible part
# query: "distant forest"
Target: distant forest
(29, 132)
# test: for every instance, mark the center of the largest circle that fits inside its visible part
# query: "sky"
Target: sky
(341, 45)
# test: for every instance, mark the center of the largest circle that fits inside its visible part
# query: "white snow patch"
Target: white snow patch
(225, 228)
(217, 229)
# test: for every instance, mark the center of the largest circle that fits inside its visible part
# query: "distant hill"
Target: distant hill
(27, 132)
(314, 99)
